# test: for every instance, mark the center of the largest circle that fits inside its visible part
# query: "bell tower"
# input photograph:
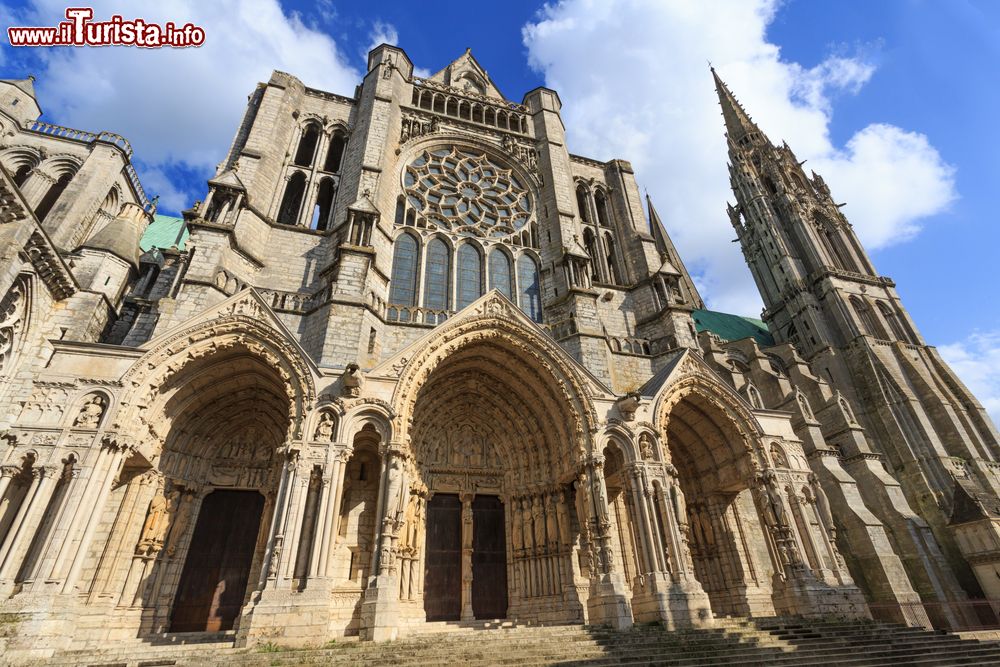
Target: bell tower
(802, 251)
(822, 294)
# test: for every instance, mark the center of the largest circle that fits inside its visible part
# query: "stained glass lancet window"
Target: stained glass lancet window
(500, 272)
(403, 289)
(469, 275)
(437, 278)
(527, 280)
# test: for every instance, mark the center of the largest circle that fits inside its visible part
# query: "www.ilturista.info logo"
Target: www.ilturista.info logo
(80, 30)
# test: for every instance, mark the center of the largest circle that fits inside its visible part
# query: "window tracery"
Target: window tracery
(466, 191)
(451, 192)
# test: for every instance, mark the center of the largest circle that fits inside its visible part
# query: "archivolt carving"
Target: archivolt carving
(14, 309)
(538, 353)
(727, 455)
(149, 374)
(717, 393)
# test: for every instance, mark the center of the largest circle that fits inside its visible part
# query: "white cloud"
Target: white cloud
(382, 33)
(976, 360)
(890, 179)
(182, 106)
(172, 198)
(634, 81)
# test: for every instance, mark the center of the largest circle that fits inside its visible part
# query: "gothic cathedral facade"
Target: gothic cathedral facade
(411, 360)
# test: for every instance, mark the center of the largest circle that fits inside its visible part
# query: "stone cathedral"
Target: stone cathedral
(411, 360)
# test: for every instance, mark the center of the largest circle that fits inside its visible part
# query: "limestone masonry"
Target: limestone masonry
(412, 360)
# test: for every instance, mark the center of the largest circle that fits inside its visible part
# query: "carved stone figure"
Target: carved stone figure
(91, 412)
(158, 517)
(772, 501)
(646, 450)
(325, 428)
(394, 486)
(680, 507)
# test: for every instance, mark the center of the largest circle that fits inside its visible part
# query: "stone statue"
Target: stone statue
(646, 447)
(823, 505)
(538, 519)
(91, 413)
(562, 511)
(324, 430)
(157, 519)
(352, 380)
(772, 498)
(184, 505)
(395, 483)
(680, 506)
(551, 526)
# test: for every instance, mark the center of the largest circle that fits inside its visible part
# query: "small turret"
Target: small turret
(110, 257)
(18, 101)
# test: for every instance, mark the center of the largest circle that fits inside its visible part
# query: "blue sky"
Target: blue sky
(894, 102)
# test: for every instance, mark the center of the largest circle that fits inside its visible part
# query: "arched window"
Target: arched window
(613, 274)
(324, 205)
(335, 154)
(307, 146)
(49, 200)
(21, 175)
(437, 275)
(581, 203)
(400, 211)
(219, 202)
(602, 210)
(866, 322)
(403, 288)
(527, 281)
(834, 251)
(470, 284)
(893, 321)
(288, 213)
(500, 272)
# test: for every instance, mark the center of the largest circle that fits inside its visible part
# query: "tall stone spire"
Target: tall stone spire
(738, 122)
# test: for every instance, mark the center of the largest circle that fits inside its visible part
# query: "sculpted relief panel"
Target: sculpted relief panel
(465, 449)
(243, 463)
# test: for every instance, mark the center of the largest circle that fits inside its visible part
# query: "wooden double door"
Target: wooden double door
(443, 560)
(217, 568)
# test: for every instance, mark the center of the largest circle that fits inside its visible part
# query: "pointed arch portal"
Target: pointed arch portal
(495, 450)
(713, 463)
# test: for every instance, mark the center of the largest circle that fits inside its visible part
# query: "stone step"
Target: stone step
(737, 642)
(748, 655)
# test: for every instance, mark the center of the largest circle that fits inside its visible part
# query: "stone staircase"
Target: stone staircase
(733, 641)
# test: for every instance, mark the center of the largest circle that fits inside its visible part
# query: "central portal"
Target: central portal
(443, 575)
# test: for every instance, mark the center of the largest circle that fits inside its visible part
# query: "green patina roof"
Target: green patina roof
(732, 327)
(164, 232)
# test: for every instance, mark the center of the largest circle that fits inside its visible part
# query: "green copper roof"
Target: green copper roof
(731, 327)
(164, 232)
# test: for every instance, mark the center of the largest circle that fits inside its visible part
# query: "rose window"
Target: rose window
(463, 190)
